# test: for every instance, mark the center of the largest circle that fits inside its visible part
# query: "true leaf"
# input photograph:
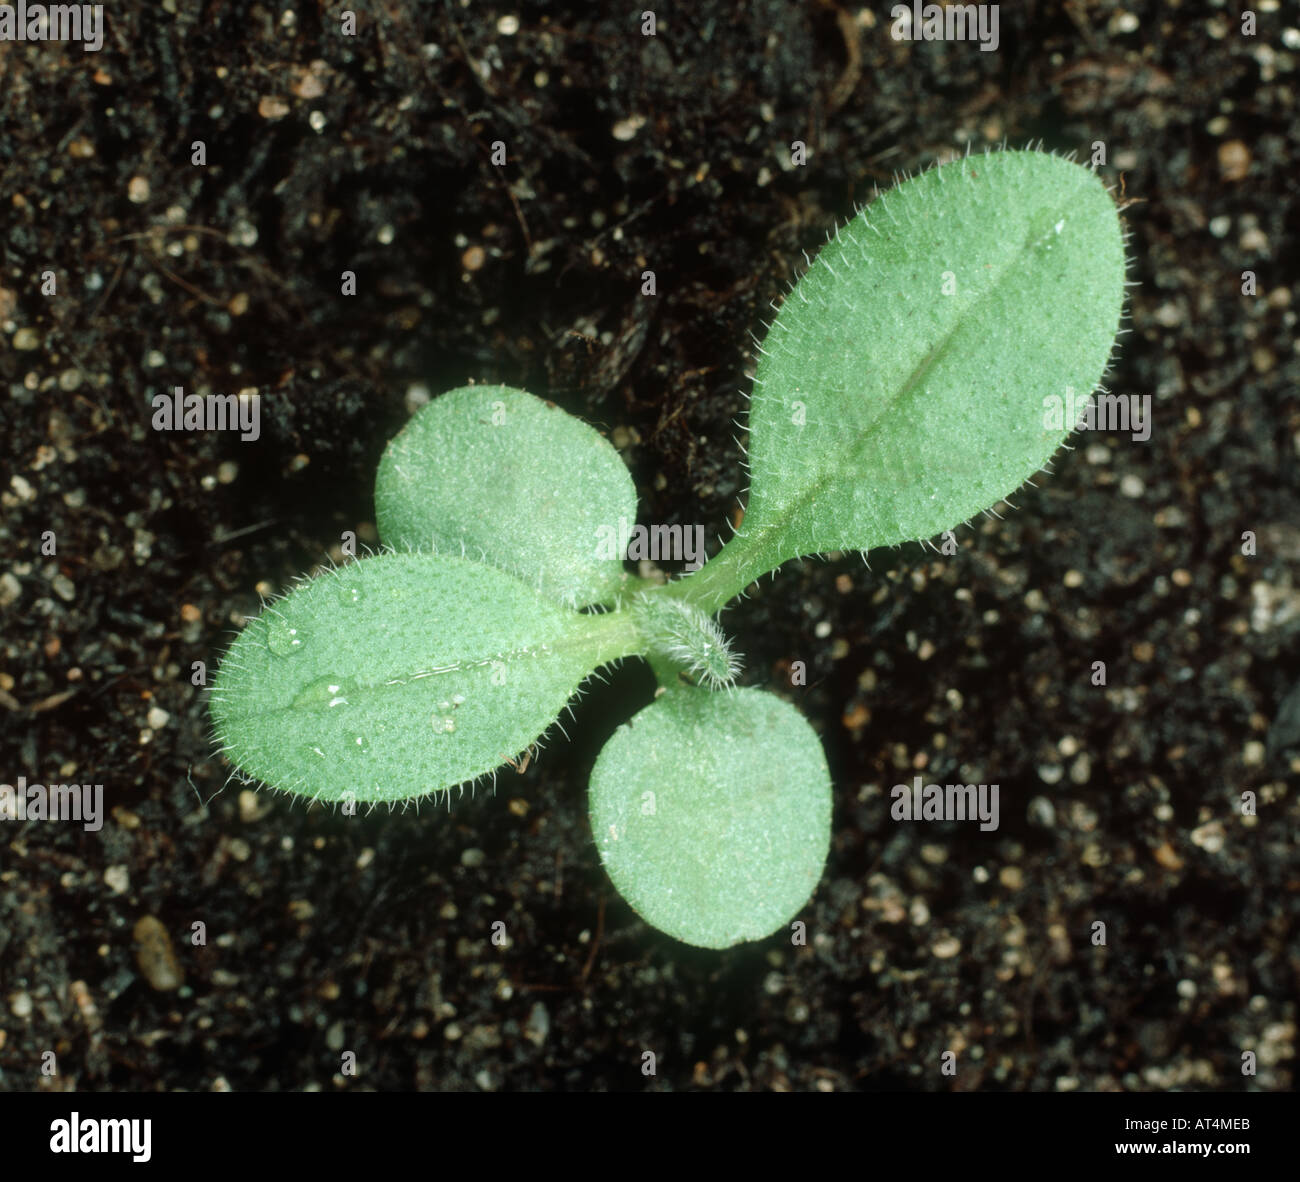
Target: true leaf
(496, 473)
(903, 386)
(711, 812)
(401, 675)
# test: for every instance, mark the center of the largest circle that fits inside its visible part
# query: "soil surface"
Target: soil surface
(128, 554)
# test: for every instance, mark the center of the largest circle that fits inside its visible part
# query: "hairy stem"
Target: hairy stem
(743, 560)
(613, 635)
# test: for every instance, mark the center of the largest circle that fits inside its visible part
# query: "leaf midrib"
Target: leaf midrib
(593, 640)
(848, 456)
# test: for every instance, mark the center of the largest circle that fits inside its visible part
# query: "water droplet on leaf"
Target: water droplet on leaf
(325, 691)
(282, 638)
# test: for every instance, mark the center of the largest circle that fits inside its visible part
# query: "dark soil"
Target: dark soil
(1121, 804)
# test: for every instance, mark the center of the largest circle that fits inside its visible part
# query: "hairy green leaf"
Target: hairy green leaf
(712, 814)
(401, 675)
(905, 384)
(685, 638)
(495, 473)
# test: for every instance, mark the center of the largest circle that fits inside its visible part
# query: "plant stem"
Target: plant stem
(632, 584)
(743, 560)
(613, 635)
(666, 673)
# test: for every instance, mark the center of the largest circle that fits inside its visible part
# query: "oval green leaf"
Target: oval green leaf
(495, 473)
(712, 814)
(917, 373)
(401, 675)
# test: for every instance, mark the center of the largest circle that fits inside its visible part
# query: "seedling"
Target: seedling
(900, 391)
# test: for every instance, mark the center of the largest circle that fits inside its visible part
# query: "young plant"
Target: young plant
(900, 390)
